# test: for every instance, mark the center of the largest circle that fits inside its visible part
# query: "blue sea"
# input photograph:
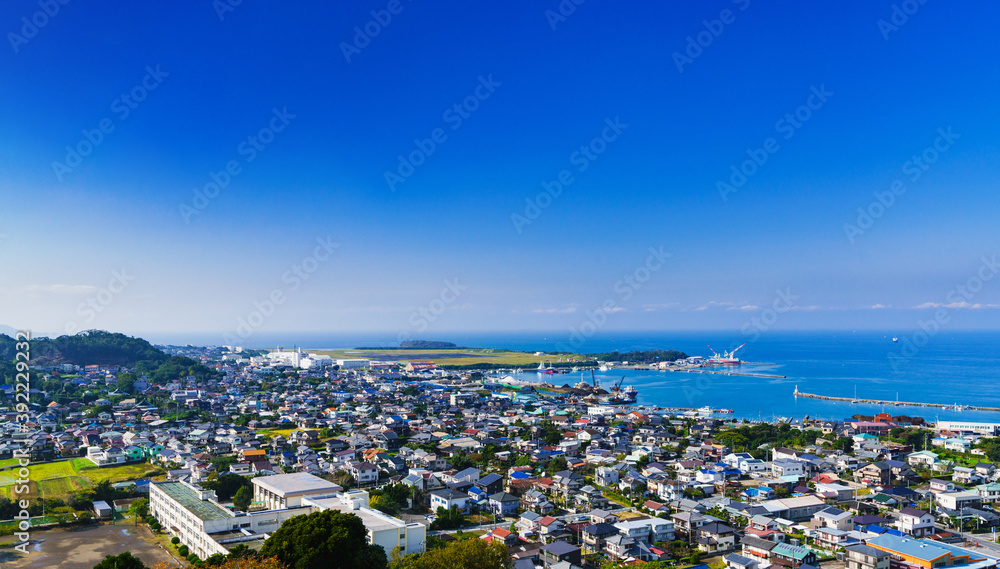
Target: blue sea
(948, 368)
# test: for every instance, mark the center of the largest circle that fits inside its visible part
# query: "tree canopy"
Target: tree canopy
(90, 347)
(122, 561)
(640, 357)
(324, 540)
(462, 554)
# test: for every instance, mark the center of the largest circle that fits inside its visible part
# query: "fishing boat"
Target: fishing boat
(545, 368)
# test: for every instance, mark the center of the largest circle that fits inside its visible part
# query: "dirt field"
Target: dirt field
(84, 547)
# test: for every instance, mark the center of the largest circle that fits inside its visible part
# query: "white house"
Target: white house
(447, 498)
(606, 476)
(917, 523)
(956, 500)
(989, 492)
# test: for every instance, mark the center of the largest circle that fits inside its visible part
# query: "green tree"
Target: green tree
(448, 519)
(242, 499)
(139, 508)
(462, 554)
(325, 540)
(227, 485)
(121, 561)
(126, 383)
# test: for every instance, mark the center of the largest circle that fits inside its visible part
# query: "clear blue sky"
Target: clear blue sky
(542, 93)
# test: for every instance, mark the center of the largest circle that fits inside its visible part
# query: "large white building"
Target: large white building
(988, 429)
(288, 490)
(383, 529)
(206, 527)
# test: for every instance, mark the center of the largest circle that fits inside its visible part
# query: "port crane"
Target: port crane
(726, 357)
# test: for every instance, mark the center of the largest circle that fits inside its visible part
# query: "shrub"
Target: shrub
(183, 550)
(175, 540)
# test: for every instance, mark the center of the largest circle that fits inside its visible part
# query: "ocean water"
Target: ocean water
(948, 368)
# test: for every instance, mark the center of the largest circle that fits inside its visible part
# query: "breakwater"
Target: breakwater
(890, 402)
(747, 374)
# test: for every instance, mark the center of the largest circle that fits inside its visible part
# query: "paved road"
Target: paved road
(978, 539)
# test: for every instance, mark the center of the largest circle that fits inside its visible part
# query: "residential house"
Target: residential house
(364, 473)
(866, 557)
(878, 473)
(595, 536)
(503, 504)
(447, 498)
(914, 522)
(989, 492)
(560, 552)
(833, 518)
(715, 537)
(757, 548)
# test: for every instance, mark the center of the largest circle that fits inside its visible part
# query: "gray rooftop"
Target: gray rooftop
(188, 499)
(296, 484)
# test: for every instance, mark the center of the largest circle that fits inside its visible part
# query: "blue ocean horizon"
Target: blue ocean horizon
(949, 367)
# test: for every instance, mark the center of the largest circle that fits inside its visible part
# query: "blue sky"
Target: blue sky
(121, 241)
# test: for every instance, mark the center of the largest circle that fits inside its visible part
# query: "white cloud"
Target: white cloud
(879, 306)
(566, 310)
(663, 306)
(954, 305)
(62, 289)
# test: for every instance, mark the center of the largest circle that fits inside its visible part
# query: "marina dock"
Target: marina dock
(889, 402)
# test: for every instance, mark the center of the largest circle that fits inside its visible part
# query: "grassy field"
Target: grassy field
(451, 356)
(59, 479)
(283, 432)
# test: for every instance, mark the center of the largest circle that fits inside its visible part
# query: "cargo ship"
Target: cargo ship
(725, 358)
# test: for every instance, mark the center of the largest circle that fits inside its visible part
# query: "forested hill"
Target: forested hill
(640, 357)
(90, 347)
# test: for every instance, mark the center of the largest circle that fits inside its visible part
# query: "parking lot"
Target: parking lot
(83, 547)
